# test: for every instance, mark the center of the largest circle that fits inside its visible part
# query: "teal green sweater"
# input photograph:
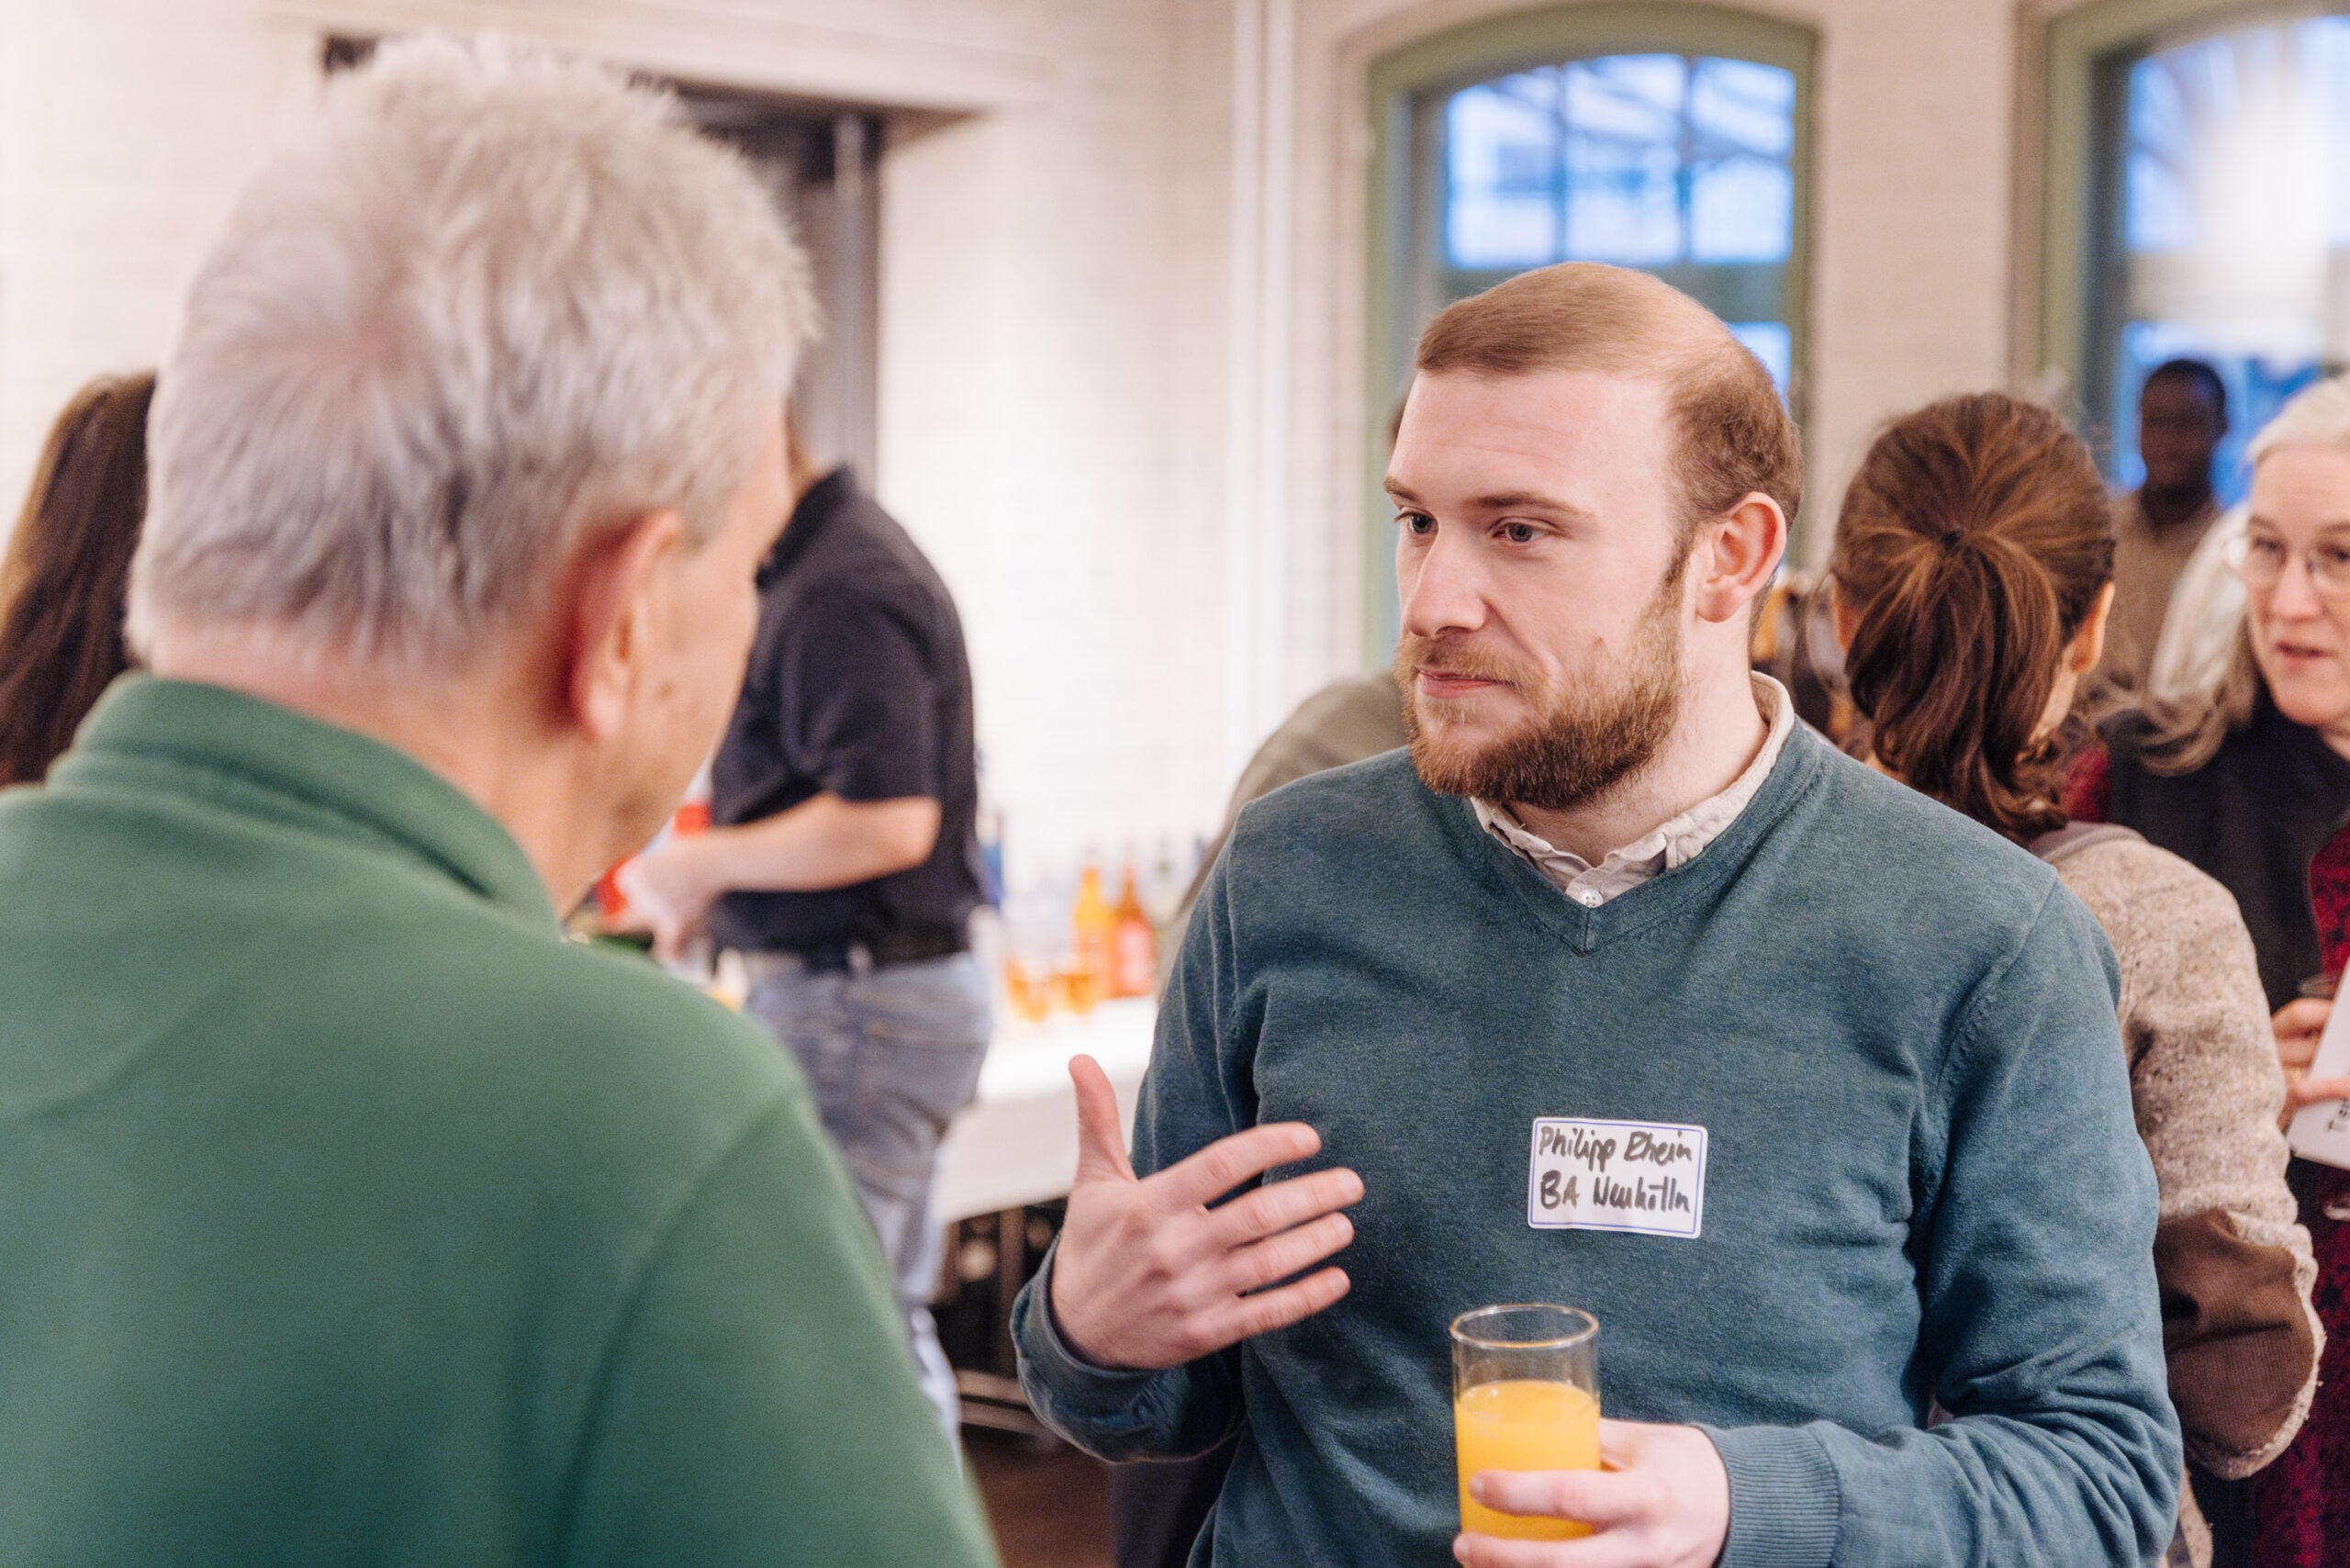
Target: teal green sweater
(348, 1213)
(1920, 1182)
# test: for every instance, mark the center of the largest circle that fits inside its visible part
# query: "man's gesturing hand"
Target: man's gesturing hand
(1662, 1501)
(1147, 1276)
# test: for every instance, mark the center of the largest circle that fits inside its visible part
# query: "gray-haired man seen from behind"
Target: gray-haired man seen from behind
(347, 1213)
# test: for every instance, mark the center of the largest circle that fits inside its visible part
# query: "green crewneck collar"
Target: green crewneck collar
(212, 741)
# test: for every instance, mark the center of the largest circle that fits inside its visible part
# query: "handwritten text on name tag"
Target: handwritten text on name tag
(1646, 1177)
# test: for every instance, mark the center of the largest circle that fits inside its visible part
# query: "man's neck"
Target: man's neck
(465, 727)
(2172, 505)
(1717, 736)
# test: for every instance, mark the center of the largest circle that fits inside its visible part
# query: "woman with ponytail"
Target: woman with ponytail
(1972, 574)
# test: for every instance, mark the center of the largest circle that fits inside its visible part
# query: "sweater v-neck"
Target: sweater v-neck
(1669, 895)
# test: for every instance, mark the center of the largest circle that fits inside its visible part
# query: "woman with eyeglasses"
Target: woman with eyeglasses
(1972, 576)
(2245, 769)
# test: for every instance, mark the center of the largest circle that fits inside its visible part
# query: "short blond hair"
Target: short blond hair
(1732, 434)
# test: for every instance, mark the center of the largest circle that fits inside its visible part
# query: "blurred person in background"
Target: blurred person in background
(843, 861)
(1973, 571)
(348, 1213)
(2182, 414)
(68, 567)
(2241, 764)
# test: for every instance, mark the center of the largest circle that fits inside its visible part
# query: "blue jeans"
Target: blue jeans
(890, 1055)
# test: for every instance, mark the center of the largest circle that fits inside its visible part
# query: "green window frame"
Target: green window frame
(1404, 222)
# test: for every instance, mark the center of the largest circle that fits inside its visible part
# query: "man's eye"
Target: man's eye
(1417, 523)
(2332, 560)
(2268, 552)
(1520, 533)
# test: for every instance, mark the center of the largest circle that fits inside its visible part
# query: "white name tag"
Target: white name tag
(1646, 1177)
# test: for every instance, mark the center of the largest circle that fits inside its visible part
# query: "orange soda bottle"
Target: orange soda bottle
(1134, 944)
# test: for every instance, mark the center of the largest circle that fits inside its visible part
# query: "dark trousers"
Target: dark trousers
(1158, 1507)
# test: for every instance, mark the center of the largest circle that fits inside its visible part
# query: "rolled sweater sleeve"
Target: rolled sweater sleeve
(1190, 1097)
(2040, 1335)
(2239, 1331)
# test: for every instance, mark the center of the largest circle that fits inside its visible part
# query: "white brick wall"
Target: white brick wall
(1059, 267)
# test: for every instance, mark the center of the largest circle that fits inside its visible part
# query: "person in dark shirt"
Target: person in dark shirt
(843, 861)
(2182, 414)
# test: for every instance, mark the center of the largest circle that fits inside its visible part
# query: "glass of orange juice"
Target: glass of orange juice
(1524, 1397)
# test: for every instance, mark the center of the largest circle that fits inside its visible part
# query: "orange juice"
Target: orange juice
(1524, 1424)
(1030, 994)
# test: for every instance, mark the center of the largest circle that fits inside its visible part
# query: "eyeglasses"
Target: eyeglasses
(2260, 560)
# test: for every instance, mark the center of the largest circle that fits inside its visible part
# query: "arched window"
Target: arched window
(2199, 206)
(1670, 138)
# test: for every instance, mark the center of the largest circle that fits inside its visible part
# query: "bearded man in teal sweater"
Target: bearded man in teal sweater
(1880, 1292)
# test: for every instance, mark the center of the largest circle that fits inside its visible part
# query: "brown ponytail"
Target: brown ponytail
(62, 581)
(1973, 543)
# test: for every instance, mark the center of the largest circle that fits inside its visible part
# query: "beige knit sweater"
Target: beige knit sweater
(2234, 1269)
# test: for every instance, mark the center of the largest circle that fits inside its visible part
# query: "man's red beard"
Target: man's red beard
(1588, 734)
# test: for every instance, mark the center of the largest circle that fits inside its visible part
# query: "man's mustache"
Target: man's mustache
(1438, 656)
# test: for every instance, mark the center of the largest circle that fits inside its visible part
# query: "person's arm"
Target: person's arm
(2240, 1333)
(824, 842)
(848, 694)
(755, 1404)
(2040, 1332)
(1127, 1334)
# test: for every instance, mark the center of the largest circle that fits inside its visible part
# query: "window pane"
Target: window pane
(1625, 119)
(1736, 106)
(1502, 169)
(1770, 343)
(2161, 217)
(1742, 209)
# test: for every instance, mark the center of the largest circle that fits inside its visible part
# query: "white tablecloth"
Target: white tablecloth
(1016, 1143)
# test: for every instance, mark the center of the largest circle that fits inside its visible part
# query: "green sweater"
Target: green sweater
(1918, 1178)
(348, 1213)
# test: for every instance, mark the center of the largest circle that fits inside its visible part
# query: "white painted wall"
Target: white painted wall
(1050, 423)
(1122, 310)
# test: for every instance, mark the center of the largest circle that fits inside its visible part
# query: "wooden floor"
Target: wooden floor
(1049, 1504)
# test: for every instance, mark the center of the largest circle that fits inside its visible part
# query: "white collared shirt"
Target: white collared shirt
(1662, 848)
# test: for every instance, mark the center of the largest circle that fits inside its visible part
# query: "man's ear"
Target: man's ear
(607, 619)
(1737, 553)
